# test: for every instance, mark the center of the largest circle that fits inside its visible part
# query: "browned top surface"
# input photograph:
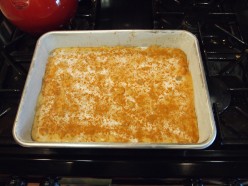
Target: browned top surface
(116, 94)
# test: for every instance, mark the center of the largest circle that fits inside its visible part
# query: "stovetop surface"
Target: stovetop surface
(221, 28)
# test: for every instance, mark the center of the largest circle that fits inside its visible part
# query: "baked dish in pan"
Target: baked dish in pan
(116, 94)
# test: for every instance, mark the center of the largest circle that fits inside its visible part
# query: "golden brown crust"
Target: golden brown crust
(116, 94)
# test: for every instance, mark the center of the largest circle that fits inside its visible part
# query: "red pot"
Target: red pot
(39, 16)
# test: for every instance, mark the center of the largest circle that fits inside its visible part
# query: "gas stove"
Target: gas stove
(221, 28)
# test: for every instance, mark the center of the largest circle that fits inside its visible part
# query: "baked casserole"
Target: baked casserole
(116, 94)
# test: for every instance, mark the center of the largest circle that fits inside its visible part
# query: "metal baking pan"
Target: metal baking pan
(142, 38)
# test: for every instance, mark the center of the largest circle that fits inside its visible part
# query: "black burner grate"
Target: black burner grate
(223, 41)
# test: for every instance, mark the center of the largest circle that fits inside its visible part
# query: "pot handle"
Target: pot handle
(20, 4)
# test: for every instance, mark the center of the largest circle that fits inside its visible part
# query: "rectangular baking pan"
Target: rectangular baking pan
(142, 38)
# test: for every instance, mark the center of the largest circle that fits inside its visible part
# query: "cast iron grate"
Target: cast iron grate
(223, 41)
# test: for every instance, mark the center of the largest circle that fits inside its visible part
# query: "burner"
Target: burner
(219, 93)
(234, 128)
